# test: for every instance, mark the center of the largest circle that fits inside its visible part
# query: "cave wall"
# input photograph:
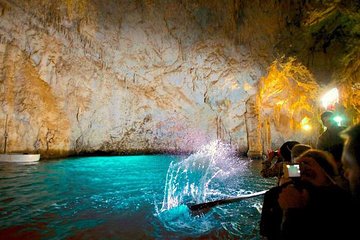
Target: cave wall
(166, 76)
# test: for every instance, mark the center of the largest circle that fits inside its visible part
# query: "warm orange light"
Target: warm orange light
(306, 127)
(305, 124)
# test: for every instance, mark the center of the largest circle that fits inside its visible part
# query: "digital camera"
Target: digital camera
(291, 170)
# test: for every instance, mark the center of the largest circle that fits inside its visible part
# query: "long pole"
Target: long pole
(205, 207)
(6, 134)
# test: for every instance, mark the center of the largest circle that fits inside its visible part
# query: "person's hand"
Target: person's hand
(292, 197)
(271, 155)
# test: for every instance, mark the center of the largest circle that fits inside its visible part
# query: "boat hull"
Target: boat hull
(19, 157)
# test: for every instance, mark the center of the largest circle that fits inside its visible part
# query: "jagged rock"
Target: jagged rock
(169, 76)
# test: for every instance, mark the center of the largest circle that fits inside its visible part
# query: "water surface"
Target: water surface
(125, 197)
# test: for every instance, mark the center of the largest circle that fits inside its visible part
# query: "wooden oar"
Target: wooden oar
(205, 207)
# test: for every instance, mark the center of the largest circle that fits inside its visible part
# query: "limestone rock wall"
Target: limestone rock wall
(120, 77)
(288, 98)
(154, 75)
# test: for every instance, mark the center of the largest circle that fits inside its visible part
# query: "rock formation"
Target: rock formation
(146, 76)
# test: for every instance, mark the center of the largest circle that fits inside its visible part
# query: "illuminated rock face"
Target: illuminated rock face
(288, 95)
(150, 76)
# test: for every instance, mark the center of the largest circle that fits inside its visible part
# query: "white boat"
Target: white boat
(16, 157)
(19, 157)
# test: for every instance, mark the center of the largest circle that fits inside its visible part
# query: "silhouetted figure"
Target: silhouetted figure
(312, 206)
(282, 155)
(330, 139)
(351, 160)
(297, 150)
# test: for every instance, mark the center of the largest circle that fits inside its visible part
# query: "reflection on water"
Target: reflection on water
(129, 197)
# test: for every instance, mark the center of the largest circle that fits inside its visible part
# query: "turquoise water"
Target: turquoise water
(125, 197)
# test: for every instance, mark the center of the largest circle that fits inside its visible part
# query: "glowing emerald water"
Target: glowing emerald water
(132, 197)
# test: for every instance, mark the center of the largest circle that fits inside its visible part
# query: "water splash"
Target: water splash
(211, 173)
(203, 176)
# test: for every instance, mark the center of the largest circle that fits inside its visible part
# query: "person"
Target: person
(279, 157)
(271, 214)
(316, 204)
(330, 139)
(351, 160)
(311, 206)
(297, 150)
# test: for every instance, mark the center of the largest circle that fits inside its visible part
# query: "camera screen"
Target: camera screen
(292, 170)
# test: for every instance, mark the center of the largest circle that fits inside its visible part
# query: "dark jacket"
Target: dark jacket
(331, 141)
(327, 216)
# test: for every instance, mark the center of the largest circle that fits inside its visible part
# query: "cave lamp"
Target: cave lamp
(330, 99)
(338, 119)
(305, 124)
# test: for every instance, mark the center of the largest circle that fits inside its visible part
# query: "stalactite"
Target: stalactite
(48, 15)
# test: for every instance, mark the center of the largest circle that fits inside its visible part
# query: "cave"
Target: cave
(158, 76)
(152, 116)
